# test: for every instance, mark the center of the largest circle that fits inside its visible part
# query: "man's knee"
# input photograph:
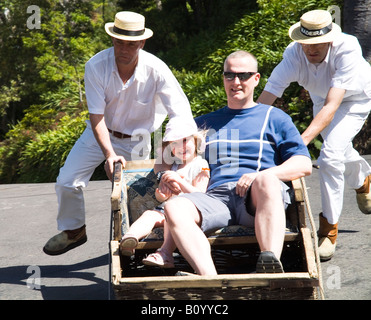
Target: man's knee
(65, 187)
(73, 179)
(266, 183)
(266, 191)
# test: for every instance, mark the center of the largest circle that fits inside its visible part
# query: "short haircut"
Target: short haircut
(243, 54)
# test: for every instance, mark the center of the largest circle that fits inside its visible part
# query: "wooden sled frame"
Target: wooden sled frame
(301, 284)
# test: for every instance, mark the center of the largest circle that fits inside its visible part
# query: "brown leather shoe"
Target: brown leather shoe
(327, 235)
(65, 241)
(364, 196)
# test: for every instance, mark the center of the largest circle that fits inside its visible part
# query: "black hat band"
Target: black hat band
(316, 33)
(128, 32)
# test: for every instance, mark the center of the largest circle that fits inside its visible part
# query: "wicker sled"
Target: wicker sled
(234, 250)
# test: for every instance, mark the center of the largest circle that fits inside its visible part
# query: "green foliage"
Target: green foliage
(63, 44)
(8, 95)
(35, 122)
(42, 73)
(42, 157)
(204, 26)
(205, 91)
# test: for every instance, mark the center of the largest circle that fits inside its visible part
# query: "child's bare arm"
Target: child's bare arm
(160, 196)
(199, 184)
(202, 180)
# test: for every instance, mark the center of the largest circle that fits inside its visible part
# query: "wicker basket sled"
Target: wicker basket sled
(234, 250)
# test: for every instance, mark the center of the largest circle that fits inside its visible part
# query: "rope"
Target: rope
(313, 226)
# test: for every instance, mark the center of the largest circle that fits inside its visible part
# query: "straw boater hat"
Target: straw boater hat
(128, 26)
(315, 27)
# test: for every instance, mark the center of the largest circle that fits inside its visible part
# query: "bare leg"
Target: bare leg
(270, 213)
(183, 220)
(163, 257)
(145, 223)
(169, 245)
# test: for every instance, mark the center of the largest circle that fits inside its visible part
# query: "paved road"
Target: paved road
(347, 275)
(27, 221)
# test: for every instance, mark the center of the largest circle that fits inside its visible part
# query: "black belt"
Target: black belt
(119, 134)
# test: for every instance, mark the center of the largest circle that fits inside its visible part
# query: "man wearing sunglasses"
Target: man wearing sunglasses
(252, 149)
(329, 64)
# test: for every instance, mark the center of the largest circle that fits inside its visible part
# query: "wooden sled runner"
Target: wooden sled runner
(234, 250)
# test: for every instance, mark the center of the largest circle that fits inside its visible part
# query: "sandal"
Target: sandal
(159, 259)
(128, 245)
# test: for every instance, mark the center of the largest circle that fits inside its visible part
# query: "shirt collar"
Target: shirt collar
(328, 54)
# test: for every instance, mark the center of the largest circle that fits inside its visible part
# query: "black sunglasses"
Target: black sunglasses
(243, 76)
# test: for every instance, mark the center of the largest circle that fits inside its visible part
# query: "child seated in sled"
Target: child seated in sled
(190, 171)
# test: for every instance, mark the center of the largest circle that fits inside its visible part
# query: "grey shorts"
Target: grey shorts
(222, 207)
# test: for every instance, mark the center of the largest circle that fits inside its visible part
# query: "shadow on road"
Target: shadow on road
(24, 275)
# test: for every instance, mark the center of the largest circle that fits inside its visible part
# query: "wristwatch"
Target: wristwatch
(159, 175)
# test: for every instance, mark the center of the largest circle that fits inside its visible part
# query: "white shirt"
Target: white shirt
(143, 102)
(344, 67)
(192, 169)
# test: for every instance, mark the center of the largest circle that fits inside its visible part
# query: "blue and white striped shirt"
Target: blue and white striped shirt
(248, 140)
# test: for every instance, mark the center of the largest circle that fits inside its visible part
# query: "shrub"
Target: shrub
(42, 157)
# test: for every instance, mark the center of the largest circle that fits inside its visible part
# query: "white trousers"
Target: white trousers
(83, 159)
(339, 162)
